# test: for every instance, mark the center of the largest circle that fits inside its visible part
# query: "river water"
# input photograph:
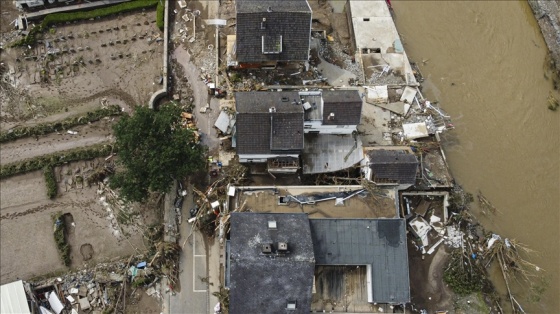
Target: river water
(484, 62)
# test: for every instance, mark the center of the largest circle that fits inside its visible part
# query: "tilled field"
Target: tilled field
(26, 228)
(118, 56)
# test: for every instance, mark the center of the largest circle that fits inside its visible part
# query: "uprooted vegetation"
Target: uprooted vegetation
(60, 238)
(468, 267)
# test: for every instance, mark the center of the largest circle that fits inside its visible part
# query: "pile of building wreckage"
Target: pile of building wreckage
(430, 226)
(99, 288)
(415, 115)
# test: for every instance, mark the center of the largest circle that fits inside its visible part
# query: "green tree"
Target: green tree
(154, 150)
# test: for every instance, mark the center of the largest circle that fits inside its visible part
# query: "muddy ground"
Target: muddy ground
(29, 147)
(79, 63)
(26, 227)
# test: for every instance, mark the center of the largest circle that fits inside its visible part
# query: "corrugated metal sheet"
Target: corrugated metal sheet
(13, 298)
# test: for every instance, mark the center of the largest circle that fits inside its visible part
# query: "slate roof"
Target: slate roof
(380, 243)
(290, 19)
(265, 283)
(396, 165)
(346, 106)
(260, 131)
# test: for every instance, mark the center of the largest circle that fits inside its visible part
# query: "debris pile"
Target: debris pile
(333, 52)
(211, 205)
(474, 250)
(101, 288)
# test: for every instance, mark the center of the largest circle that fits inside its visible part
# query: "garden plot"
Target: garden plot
(26, 227)
(74, 64)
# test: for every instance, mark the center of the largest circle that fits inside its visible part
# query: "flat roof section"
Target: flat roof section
(330, 152)
(344, 286)
(362, 205)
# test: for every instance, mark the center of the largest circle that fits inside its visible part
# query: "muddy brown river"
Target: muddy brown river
(484, 61)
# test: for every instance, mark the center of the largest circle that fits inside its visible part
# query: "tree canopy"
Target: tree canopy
(154, 149)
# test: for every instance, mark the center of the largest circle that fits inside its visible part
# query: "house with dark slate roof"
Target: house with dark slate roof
(278, 127)
(332, 112)
(270, 263)
(269, 129)
(391, 165)
(274, 259)
(272, 31)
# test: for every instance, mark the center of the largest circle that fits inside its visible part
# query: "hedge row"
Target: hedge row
(50, 180)
(54, 160)
(160, 16)
(60, 239)
(83, 15)
(65, 124)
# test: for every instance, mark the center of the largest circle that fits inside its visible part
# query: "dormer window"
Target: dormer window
(272, 44)
(263, 23)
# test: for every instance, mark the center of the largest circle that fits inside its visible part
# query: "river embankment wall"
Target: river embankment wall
(547, 13)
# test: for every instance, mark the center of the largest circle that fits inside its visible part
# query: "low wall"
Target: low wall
(157, 95)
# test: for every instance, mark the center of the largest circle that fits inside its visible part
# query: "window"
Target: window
(366, 19)
(271, 44)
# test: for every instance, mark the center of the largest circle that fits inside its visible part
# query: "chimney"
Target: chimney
(282, 246)
(272, 109)
(267, 248)
(331, 117)
(269, 9)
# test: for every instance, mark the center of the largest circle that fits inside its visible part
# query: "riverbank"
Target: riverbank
(547, 14)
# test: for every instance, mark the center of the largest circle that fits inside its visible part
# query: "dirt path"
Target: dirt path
(30, 147)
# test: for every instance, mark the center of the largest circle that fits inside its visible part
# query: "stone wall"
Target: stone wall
(547, 13)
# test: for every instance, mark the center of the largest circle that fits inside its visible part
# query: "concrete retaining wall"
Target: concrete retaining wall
(163, 91)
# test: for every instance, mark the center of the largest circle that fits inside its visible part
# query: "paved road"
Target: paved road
(193, 295)
(204, 121)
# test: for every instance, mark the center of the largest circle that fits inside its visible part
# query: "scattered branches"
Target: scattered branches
(485, 204)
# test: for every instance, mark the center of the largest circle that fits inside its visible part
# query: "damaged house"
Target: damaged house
(391, 166)
(331, 121)
(278, 128)
(270, 263)
(377, 44)
(277, 263)
(269, 129)
(269, 32)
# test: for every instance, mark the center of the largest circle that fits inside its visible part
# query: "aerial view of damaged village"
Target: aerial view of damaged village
(279, 156)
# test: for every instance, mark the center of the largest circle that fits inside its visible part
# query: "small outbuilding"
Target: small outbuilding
(13, 298)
